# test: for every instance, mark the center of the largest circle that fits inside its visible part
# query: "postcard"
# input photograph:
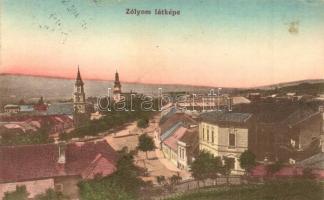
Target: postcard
(161, 99)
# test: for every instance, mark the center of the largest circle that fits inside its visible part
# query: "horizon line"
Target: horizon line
(148, 83)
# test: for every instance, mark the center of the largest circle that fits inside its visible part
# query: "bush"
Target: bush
(19, 194)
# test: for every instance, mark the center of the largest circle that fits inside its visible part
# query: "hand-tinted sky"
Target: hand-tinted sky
(213, 42)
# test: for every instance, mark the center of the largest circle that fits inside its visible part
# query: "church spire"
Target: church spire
(116, 77)
(78, 78)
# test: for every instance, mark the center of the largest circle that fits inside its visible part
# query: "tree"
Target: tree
(275, 167)
(143, 123)
(160, 180)
(19, 194)
(174, 179)
(22, 102)
(145, 143)
(247, 160)
(124, 184)
(40, 101)
(205, 166)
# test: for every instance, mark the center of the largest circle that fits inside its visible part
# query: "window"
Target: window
(212, 136)
(231, 137)
(203, 134)
(207, 135)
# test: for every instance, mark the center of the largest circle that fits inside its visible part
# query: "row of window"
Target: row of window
(231, 136)
(181, 153)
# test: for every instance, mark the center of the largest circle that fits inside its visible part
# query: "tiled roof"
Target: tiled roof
(315, 161)
(31, 162)
(52, 119)
(190, 135)
(300, 116)
(225, 117)
(172, 141)
(166, 124)
(170, 131)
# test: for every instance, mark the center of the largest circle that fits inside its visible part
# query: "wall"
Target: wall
(33, 187)
(219, 145)
(69, 185)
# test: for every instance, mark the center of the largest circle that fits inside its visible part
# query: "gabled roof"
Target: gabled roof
(166, 124)
(32, 162)
(172, 141)
(170, 131)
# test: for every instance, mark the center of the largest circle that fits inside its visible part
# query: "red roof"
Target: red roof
(30, 162)
(177, 117)
(40, 107)
(45, 120)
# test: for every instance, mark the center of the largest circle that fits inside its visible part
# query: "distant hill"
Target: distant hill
(27, 86)
(300, 88)
(288, 84)
(15, 87)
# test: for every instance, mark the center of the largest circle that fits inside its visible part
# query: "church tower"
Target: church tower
(117, 88)
(79, 103)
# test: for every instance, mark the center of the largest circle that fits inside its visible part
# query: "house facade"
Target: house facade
(11, 108)
(178, 138)
(56, 166)
(225, 134)
(188, 148)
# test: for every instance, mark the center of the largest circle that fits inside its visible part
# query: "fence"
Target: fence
(167, 190)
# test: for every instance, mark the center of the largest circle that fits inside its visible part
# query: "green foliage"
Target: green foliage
(145, 143)
(160, 179)
(275, 167)
(113, 119)
(19, 194)
(175, 179)
(206, 166)
(142, 123)
(124, 184)
(30, 137)
(247, 160)
(50, 194)
(279, 190)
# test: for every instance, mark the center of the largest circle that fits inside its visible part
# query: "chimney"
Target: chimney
(61, 147)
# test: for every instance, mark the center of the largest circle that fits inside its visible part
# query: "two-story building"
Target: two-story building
(225, 134)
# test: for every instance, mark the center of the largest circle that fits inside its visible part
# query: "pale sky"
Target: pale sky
(228, 43)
